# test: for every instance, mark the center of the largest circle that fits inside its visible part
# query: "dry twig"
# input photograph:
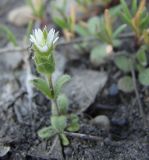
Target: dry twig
(84, 136)
(137, 95)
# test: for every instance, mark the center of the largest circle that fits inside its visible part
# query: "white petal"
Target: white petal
(55, 40)
(39, 36)
(32, 39)
(43, 49)
(50, 36)
(36, 34)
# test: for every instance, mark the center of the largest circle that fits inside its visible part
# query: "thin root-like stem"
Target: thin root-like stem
(138, 96)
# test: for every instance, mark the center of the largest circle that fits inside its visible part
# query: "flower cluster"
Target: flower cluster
(42, 40)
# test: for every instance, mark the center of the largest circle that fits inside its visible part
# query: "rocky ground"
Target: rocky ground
(110, 120)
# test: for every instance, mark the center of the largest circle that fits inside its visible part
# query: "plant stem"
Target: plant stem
(54, 107)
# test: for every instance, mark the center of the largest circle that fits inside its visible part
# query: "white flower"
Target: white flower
(42, 42)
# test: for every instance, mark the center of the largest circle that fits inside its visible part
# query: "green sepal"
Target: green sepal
(42, 86)
(45, 64)
(59, 123)
(38, 53)
(60, 83)
(47, 132)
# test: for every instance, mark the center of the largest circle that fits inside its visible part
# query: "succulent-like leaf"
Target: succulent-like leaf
(42, 86)
(59, 123)
(141, 56)
(94, 25)
(123, 62)
(126, 84)
(60, 83)
(62, 102)
(144, 77)
(46, 132)
(98, 55)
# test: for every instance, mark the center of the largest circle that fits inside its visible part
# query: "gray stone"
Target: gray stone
(4, 150)
(83, 88)
(60, 62)
(10, 60)
(20, 16)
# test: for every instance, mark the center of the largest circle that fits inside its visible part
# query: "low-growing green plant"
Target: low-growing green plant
(138, 62)
(44, 45)
(65, 18)
(37, 8)
(137, 18)
(102, 29)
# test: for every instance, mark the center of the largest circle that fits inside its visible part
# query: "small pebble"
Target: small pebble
(113, 90)
(119, 122)
(68, 151)
(102, 121)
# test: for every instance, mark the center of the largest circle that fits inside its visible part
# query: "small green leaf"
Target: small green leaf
(126, 19)
(144, 77)
(42, 86)
(46, 132)
(94, 25)
(62, 102)
(73, 123)
(59, 123)
(126, 84)
(134, 6)
(98, 55)
(119, 30)
(123, 62)
(82, 31)
(64, 139)
(60, 83)
(126, 9)
(9, 34)
(141, 56)
(60, 22)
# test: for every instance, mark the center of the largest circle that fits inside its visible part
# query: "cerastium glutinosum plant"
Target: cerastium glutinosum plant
(44, 43)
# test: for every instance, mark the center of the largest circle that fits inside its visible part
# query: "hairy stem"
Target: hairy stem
(54, 107)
